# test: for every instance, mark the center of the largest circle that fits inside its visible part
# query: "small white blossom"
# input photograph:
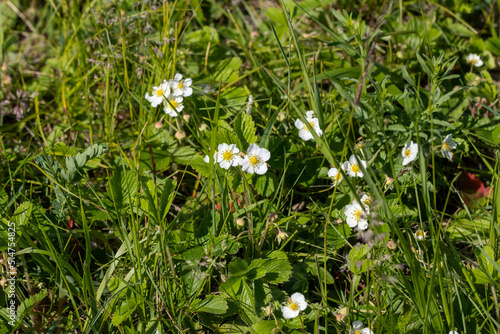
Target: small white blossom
(453, 332)
(410, 151)
(304, 132)
(295, 304)
(255, 160)
(356, 215)
(175, 102)
(281, 236)
(366, 200)
(448, 145)
(159, 94)
(420, 235)
(180, 135)
(352, 168)
(250, 102)
(181, 87)
(335, 175)
(357, 328)
(207, 158)
(227, 155)
(474, 59)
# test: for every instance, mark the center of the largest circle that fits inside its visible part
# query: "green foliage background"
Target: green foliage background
(121, 227)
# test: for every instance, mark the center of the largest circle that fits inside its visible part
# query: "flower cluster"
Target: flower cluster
(171, 94)
(252, 162)
(304, 131)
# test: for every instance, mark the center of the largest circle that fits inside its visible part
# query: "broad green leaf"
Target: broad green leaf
(245, 129)
(200, 38)
(266, 184)
(212, 304)
(22, 214)
(264, 327)
(493, 44)
(124, 311)
(227, 70)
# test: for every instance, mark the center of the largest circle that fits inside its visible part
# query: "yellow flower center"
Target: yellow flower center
(355, 168)
(473, 61)
(180, 85)
(254, 160)
(358, 214)
(358, 332)
(227, 155)
(294, 306)
(367, 201)
(407, 152)
(159, 92)
(174, 103)
(446, 146)
(420, 234)
(338, 177)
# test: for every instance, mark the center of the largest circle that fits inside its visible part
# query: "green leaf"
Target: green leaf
(227, 70)
(212, 304)
(202, 167)
(22, 213)
(493, 44)
(238, 267)
(397, 127)
(264, 327)
(275, 268)
(266, 184)
(358, 262)
(321, 273)
(124, 311)
(245, 130)
(495, 135)
(337, 235)
(485, 258)
(122, 187)
(201, 38)
(28, 304)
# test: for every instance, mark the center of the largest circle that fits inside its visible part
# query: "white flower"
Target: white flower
(420, 235)
(357, 328)
(304, 132)
(175, 102)
(281, 236)
(453, 332)
(159, 94)
(250, 102)
(352, 168)
(366, 200)
(409, 152)
(227, 155)
(207, 158)
(474, 59)
(356, 215)
(181, 87)
(448, 145)
(334, 174)
(180, 135)
(255, 160)
(295, 304)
